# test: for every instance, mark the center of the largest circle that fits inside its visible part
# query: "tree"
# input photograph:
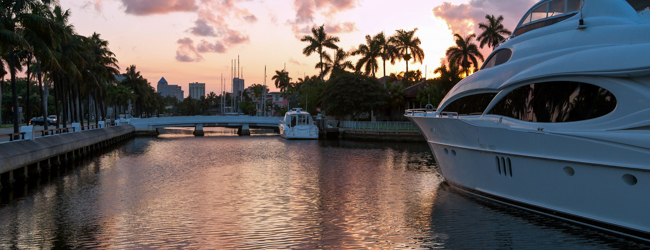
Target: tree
(310, 90)
(282, 80)
(352, 94)
(13, 16)
(465, 54)
(40, 32)
(387, 50)
(438, 88)
(405, 41)
(493, 32)
(337, 65)
(317, 42)
(369, 53)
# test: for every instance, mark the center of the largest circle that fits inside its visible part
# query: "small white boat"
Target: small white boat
(298, 124)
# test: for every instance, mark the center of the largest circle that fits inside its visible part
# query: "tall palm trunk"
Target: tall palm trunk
(44, 93)
(96, 102)
(57, 86)
(28, 114)
(101, 104)
(78, 101)
(14, 91)
(320, 53)
(407, 61)
(65, 105)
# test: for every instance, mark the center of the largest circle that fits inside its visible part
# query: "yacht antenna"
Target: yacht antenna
(581, 23)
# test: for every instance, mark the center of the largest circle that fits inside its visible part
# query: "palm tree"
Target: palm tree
(465, 53)
(369, 53)
(387, 50)
(338, 65)
(493, 32)
(40, 32)
(282, 80)
(317, 42)
(13, 14)
(405, 41)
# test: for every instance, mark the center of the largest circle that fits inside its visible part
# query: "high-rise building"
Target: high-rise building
(197, 90)
(237, 86)
(170, 90)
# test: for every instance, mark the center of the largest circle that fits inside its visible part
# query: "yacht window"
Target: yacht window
(548, 13)
(639, 5)
(470, 105)
(556, 102)
(556, 8)
(539, 13)
(500, 57)
(573, 5)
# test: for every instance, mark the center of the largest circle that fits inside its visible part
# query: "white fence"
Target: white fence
(378, 125)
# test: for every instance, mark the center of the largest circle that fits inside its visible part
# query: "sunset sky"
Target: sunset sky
(194, 40)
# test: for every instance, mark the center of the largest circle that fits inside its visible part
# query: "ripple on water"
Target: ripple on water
(267, 193)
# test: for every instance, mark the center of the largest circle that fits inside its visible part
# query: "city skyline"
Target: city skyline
(194, 41)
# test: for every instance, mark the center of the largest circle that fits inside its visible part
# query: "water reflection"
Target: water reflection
(265, 192)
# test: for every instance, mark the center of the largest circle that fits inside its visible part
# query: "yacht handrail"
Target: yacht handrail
(425, 111)
(449, 114)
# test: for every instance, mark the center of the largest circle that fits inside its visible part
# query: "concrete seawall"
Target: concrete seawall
(22, 154)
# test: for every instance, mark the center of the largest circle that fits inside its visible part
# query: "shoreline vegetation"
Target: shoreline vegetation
(77, 78)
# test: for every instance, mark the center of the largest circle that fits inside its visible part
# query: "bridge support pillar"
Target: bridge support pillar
(198, 130)
(244, 130)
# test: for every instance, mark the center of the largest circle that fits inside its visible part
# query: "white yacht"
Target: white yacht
(298, 124)
(557, 120)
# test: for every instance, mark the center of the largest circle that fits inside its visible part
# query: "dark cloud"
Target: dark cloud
(206, 47)
(186, 51)
(149, 7)
(464, 18)
(202, 28)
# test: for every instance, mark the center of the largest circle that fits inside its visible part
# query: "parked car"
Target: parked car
(39, 121)
(53, 118)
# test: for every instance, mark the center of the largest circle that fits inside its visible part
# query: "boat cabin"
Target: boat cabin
(296, 117)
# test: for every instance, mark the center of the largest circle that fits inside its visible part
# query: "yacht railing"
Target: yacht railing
(431, 113)
(378, 125)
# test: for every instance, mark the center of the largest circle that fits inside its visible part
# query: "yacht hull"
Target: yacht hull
(591, 182)
(301, 132)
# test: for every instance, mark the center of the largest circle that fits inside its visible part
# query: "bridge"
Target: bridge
(242, 123)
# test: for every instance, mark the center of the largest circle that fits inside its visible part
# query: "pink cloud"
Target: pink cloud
(206, 47)
(235, 37)
(346, 27)
(294, 61)
(148, 7)
(464, 18)
(186, 51)
(306, 11)
(202, 28)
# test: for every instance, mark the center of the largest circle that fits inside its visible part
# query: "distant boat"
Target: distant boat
(298, 124)
(557, 120)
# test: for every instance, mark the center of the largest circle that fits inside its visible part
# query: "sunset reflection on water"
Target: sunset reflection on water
(266, 193)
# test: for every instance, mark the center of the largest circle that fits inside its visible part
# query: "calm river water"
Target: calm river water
(263, 192)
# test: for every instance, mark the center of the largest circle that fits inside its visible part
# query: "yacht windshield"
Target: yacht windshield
(547, 13)
(300, 120)
(639, 5)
